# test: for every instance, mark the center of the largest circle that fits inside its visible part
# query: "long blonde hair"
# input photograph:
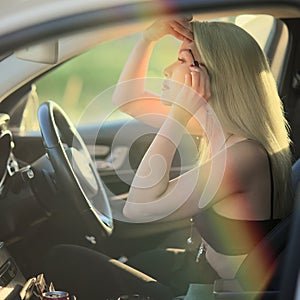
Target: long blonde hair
(245, 99)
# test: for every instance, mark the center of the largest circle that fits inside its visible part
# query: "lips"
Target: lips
(165, 86)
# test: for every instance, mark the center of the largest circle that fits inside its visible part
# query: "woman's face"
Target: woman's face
(175, 73)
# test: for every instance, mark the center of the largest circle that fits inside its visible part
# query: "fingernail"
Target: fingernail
(188, 18)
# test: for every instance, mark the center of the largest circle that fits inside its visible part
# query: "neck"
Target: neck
(219, 140)
(227, 138)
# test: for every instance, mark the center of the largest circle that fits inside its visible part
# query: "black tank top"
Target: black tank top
(232, 236)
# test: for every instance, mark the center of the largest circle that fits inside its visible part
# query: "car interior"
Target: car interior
(43, 201)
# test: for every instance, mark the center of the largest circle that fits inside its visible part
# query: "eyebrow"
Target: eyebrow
(195, 62)
(185, 49)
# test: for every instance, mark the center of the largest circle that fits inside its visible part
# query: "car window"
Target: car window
(83, 86)
(92, 76)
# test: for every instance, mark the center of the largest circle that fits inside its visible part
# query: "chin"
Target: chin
(165, 101)
(167, 98)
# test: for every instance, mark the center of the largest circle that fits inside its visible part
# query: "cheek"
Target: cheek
(178, 79)
(179, 74)
(176, 82)
(175, 86)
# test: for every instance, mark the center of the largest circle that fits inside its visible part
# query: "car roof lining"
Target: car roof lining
(109, 31)
(273, 37)
(55, 27)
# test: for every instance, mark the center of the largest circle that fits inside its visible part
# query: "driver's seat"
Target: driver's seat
(277, 241)
(265, 284)
(272, 36)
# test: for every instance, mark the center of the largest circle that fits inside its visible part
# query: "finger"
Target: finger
(185, 17)
(182, 35)
(198, 82)
(188, 80)
(207, 81)
(207, 87)
(178, 36)
(188, 18)
(204, 81)
(184, 23)
(185, 32)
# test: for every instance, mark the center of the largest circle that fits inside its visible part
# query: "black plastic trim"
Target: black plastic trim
(127, 12)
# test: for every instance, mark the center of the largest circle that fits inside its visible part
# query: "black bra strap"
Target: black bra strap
(272, 186)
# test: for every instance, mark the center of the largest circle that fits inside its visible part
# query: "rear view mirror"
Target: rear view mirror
(46, 52)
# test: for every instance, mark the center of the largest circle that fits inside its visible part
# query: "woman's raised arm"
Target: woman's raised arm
(130, 94)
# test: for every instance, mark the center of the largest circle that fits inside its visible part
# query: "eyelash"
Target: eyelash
(181, 60)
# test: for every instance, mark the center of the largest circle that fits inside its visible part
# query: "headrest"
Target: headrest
(272, 36)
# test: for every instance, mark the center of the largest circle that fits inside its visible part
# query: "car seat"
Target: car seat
(290, 269)
(272, 36)
(278, 279)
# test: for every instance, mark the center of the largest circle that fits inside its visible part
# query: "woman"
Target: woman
(233, 76)
(221, 88)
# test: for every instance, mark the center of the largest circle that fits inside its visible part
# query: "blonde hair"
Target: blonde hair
(244, 97)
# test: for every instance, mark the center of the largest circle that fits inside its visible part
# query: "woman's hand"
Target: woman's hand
(194, 94)
(179, 27)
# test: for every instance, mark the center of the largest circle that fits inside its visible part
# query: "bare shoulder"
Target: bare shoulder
(247, 149)
(247, 178)
(248, 158)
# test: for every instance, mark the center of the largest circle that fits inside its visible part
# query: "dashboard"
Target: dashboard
(10, 276)
(11, 279)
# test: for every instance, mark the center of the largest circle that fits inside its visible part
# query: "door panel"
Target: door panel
(118, 148)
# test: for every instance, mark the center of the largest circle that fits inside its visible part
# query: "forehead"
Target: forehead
(186, 44)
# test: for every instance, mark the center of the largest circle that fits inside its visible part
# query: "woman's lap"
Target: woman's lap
(175, 268)
(89, 274)
(92, 275)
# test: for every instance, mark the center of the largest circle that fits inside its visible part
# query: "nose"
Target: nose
(168, 71)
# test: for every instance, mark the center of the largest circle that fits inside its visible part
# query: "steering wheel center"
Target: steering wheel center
(84, 172)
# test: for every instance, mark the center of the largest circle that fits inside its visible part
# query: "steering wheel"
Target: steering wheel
(75, 172)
